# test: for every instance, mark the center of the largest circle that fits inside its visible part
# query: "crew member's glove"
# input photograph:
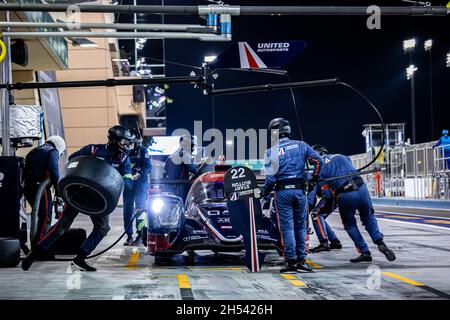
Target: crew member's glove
(59, 206)
(136, 176)
(315, 178)
(265, 193)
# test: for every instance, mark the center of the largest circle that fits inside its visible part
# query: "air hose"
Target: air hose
(34, 217)
(110, 246)
(383, 127)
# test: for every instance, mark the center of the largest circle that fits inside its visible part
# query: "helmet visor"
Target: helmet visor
(126, 144)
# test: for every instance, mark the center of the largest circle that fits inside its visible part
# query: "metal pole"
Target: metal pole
(269, 87)
(6, 79)
(135, 39)
(119, 35)
(431, 93)
(233, 10)
(413, 110)
(101, 83)
(116, 26)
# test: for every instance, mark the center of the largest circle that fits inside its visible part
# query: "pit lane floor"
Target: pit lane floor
(421, 271)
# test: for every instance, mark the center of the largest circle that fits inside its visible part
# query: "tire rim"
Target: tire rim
(75, 191)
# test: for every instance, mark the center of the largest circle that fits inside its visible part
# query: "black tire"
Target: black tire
(91, 186)
(162, 260)
(70, 242)
(9, 252)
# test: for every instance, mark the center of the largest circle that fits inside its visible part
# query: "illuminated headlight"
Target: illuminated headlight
(157, 205)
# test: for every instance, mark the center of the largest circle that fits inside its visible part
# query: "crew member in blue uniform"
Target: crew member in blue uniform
(134, 199)
(120, 141)
(321, 205)
(284, 166)
(320, 209)
(352, 195)
(180, 166)
(444, 141)
(41, 163)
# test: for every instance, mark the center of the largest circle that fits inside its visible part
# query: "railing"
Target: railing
(417, 171)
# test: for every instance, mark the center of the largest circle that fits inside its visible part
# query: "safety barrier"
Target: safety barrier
(410, 171)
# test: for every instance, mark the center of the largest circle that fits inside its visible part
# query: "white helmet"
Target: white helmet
(59, 144)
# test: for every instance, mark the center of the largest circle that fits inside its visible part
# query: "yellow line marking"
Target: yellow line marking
(224, 268)
(298, 283)
(314, 265)
(133, 260)
(405, 280)
(293, 280)
(288, 277)
(183, 281)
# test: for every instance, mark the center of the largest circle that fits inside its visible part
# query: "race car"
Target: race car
(202, 222)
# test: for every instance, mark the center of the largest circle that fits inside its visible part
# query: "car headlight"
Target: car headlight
(157, 205)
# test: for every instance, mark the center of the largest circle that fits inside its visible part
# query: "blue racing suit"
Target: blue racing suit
(352, 195)
(320, 210)
(40, 163)
(444, 141)
(121, 162)
(284, 166)
(136, 196)
(178, 167)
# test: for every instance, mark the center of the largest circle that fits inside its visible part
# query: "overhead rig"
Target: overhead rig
(218, 19)
(218, 28)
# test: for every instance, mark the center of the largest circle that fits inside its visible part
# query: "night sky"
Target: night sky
(371, 60)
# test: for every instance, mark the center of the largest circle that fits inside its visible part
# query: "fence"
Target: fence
(416, 171)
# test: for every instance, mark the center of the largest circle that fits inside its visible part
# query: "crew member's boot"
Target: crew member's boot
(335, 244)
(29, 259)
(290, 267)
(129, 241)
(321, 247)
(303, 266)
(363, 257)
(80, 262)
(389, 254)
(138, 241)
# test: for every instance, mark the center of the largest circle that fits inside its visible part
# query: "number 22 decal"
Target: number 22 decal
(237, 173)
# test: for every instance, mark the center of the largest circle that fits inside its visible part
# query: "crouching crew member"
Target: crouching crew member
(321, 206)
(41, 163)
(120, 141)
(352, 195)
(134, 199)
(325, 234)
(180, 165)
(284, 165)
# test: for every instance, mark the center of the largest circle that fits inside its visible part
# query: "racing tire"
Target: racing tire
(91, 186)
(9, 252)
(70, 242)
(189, 259)
(162, 260)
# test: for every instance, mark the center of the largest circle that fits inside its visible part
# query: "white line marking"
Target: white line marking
(407, 207)
(412, 215)
(415, 223)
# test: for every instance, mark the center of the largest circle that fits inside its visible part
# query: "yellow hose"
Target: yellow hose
(3, 51)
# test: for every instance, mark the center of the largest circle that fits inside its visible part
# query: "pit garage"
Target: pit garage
(133, 82)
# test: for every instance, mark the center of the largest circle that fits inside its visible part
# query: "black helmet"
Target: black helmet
(282, 125)
(121, 139)
(320, 149)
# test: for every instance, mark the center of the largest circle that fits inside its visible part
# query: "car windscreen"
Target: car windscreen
(211, 191)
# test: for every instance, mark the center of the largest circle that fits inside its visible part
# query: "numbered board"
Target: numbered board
(244, 207)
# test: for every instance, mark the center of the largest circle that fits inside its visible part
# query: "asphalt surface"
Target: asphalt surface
(420, 239)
